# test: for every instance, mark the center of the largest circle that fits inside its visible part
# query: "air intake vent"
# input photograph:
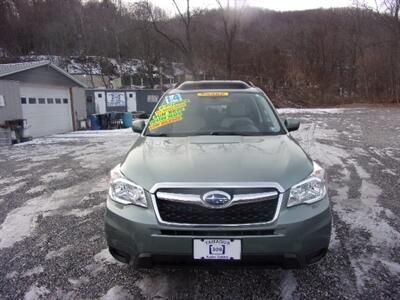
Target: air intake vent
(214, 85)
(216, 233)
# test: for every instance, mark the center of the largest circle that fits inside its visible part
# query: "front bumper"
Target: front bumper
(300, 236)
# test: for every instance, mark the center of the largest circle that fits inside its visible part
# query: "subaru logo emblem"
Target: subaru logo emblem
(217, 199)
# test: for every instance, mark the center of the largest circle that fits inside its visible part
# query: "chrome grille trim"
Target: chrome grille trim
(254, 184)
(185, 198)
(178, 197)
(255, 197)
(237, 199)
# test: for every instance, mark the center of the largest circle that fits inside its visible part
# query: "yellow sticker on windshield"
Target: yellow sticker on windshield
(168, 113)
(213, 94)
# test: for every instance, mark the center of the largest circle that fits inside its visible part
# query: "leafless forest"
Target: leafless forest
(314, 57)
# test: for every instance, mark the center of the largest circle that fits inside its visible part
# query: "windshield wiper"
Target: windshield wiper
(157, 134)
(207, 133)
(233, 133)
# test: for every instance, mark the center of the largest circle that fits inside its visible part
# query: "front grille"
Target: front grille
(244, 213)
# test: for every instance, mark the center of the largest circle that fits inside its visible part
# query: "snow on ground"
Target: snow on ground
(11, 187)
(104, 257)
(52, 193)
(310, 110)
(288, 285)
(362, 212)
(59, 252)
(21, 222)
(49, 177)
(117, 293)
(36, 189)
(155, 287)
(317, 110)
(33, 271)
(36, 292)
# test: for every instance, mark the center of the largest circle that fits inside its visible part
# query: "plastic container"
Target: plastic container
(25, 132)
(104, 121)
(127, 119)
(94, 122)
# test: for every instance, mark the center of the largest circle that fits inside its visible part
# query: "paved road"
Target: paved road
(52, 195)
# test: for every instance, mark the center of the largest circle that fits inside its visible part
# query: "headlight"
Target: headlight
(125, 191)
(310, 190)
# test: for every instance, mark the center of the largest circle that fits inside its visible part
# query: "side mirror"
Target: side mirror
(138, 126)
(292, 124)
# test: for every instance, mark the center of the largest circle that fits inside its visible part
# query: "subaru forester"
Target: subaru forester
(216, 178)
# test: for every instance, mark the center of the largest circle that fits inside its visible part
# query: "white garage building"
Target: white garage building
(51, 100)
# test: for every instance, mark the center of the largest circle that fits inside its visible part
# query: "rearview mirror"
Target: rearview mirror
(292, 124)
(138, 126)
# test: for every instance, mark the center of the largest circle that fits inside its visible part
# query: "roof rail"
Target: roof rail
(176, 85)
(249, 83)
(214, 85)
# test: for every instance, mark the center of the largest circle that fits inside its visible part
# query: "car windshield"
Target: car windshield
(213, 113)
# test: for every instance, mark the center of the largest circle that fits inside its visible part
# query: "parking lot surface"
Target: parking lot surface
(52, 202)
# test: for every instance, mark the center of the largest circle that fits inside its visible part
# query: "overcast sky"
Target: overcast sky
(280, 5)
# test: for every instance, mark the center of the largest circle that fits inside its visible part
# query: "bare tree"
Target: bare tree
(392, 7)
(183, 44)
(231, 24)
(322, 56)
(389, 18)
(147, 46)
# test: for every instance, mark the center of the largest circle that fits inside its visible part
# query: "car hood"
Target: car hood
(277, 159)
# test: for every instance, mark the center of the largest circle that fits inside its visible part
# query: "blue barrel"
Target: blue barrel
(127, 119)
(94, 122)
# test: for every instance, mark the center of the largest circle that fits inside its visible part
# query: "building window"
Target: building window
(41, 101)
(23, 100)
(50, 100)
(32, 100)
(130, 95)
(100, 95)
(58, 101)
(65, 101)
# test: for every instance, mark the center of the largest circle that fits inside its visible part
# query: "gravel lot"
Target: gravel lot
(52, 201)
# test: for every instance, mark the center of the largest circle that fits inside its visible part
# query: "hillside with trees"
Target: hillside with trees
(305, 58)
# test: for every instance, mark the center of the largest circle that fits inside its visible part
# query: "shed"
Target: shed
(100, 101)
(51, 100)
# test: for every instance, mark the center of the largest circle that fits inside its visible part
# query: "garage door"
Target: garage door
(47, 109)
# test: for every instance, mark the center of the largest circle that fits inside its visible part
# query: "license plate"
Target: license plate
(217, 249)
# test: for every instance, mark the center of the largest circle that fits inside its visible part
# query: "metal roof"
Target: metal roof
(8, 69)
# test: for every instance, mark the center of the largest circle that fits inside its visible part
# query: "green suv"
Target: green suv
(216, 178)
